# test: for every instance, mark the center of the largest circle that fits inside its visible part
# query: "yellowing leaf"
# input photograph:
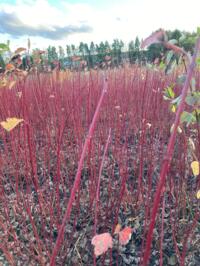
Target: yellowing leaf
(3, 83)
(125, 235)
(102, 243)
(10, 67)
(198, 194)
(11, 84)
(117, 229)
(195, 167)
(10, 123)
(19, 50)
(173, 108)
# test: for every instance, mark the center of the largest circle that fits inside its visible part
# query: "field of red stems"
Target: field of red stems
(85, 161)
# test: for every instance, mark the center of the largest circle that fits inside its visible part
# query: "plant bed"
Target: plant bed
(39, 160)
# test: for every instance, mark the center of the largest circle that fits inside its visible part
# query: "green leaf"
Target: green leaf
(196, 113)
(198, 61)
(170, 62)
(162, 65)
(193, 99)
(193, 84)
(3, 47)
(173, 41)
(198, 31)
(169, 56)
(182, 38)
(188, 118)
(181, 79)
(177, 100)
(169, 93)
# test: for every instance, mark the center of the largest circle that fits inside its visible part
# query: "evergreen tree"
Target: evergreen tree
(92, 56)
(68, 50)
(81, 49)
(73, 49)
(131, 52)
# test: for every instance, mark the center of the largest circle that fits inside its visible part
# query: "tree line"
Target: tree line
(105, 54)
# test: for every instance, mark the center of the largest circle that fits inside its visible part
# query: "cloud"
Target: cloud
(12, 25)
(58, 21)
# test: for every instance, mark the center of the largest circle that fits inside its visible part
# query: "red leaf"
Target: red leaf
(10, 67)
(125, 235)
(173, 47)
(156, 37)
(117, 229)
(102, 243)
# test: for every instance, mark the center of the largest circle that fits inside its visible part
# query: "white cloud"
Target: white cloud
(125, 19)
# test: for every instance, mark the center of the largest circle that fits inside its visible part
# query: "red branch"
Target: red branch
(168, 156)
(77, 179)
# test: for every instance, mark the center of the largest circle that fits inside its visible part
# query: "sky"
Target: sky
(62, 22)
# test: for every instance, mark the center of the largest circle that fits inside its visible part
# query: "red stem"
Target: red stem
(162, 231)
(99, 179)
(168, 156)
(98, 187)
(77, 178)
(189, 234)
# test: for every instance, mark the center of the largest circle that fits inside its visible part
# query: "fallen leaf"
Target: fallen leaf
(10, 123)
(117, 229)
(195, 167)
(125, 235)
(198, 194)
(172, 260)
(102, 243)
